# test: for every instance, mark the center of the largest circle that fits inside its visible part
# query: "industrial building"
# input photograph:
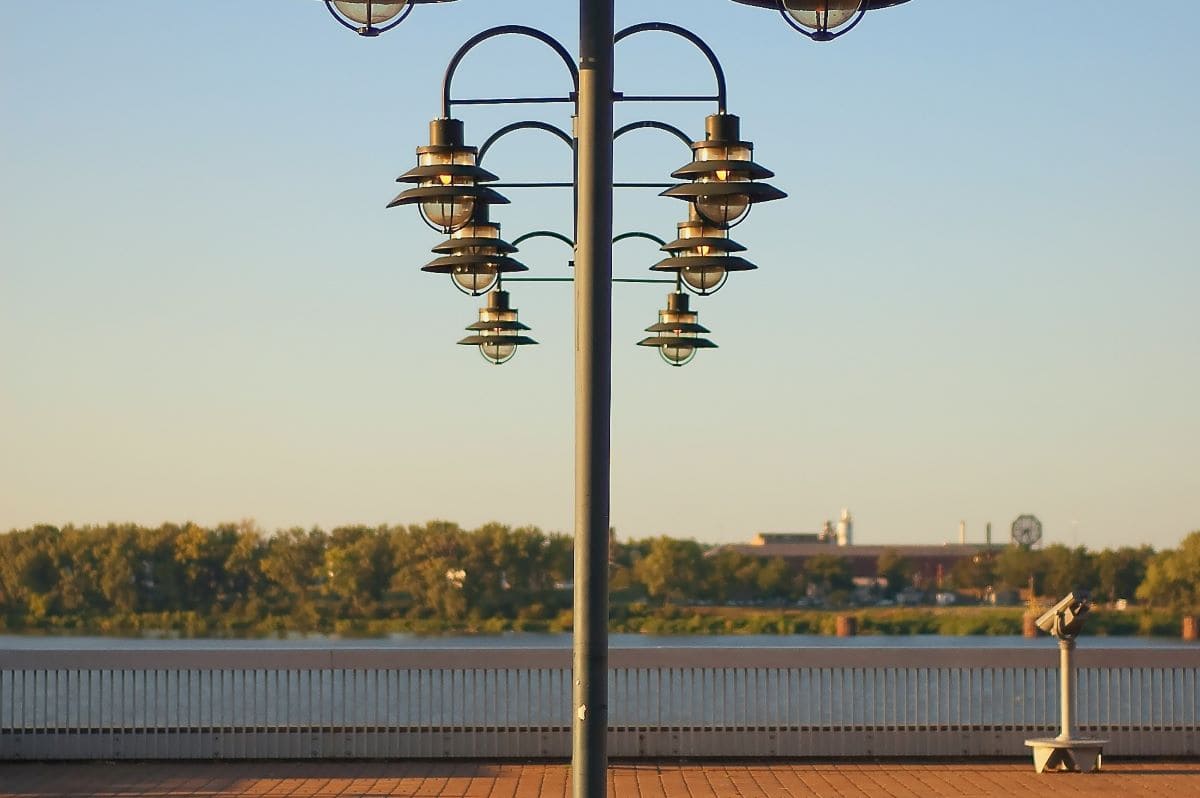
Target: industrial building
(930, 563)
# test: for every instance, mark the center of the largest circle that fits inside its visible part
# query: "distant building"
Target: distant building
(930, 563)
(776, 538)
(845, 529)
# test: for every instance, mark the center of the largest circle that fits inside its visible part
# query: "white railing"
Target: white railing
(761, 702)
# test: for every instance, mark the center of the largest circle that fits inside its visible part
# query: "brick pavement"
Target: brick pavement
(901, 779)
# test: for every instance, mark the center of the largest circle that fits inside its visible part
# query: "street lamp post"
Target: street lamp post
(722, 186)
(593, 390)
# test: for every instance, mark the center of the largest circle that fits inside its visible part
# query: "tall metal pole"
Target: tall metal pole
(593, 389)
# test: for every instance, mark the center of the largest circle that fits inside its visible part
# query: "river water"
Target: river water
(534, 640)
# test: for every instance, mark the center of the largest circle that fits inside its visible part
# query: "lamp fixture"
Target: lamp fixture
(447, 179)
(702, 256)
(723, 174)
(372, 17)
(677, 332)
(475, 256)
(369, 17)
(823, 20)
(497, 333)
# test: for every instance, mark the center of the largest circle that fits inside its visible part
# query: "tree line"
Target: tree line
(236, 578)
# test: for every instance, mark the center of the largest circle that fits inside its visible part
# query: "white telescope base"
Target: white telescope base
(1051, 753)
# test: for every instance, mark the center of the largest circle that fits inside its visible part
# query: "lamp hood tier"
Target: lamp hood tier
(701, 256)
(677, 332)
(730, 263)
(422, 194)
(446, 170)
(685, 254)
(722, 168)
(494, 264)
(476, 242)
(497, 333)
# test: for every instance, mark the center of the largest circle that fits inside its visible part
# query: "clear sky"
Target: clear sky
(980, 300)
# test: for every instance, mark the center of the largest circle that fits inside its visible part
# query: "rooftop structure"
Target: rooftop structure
(930, 561)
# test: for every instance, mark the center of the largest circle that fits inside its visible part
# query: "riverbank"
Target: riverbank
(624, 619)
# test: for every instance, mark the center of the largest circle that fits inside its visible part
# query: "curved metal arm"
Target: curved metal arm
(543, 234)
(655, 125)
(640, 234)
(369, 30)
(503, 30)
(560, 237)
(531, 124)
(701, 45)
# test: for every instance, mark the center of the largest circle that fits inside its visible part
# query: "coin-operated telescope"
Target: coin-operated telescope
(1066, 751)
(1065, 619)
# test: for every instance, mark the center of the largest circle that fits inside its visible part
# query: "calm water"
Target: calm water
(529, 640)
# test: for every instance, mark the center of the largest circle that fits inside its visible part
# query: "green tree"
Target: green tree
(975, 573)
(730, 575)
(832, 577)
(431, 571)
(895, 569)
(1120, 571)
(358, 570)
(1016, 565)
(672, 569)
(1067, 569)
(293, 564)
(1173, 577)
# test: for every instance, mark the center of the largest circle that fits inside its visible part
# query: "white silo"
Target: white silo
(845, 529)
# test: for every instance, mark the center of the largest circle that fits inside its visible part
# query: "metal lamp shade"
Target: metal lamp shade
(448, 180)
(677, 333)
(723, 175)
(497, 333)
(701, 256)
(475, 256)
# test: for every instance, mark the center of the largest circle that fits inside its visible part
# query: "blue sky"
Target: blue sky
(980, 299)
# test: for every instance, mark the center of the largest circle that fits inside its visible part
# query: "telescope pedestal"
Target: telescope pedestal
(1052, 753)
(1066, 752)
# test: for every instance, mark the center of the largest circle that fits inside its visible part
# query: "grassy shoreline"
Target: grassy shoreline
(632, 619)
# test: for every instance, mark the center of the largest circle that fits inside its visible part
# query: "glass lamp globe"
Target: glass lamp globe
(820, 15)
(703, 279)
(448, 213)
(369, 13)
(677, 355)
(497, 353)
(474, 279)
(723, 209)
(730, 208)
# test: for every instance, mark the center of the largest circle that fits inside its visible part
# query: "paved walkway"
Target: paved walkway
(905, 779)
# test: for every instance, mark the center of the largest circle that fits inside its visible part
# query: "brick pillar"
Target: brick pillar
(847, 626)
(1029, 625)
